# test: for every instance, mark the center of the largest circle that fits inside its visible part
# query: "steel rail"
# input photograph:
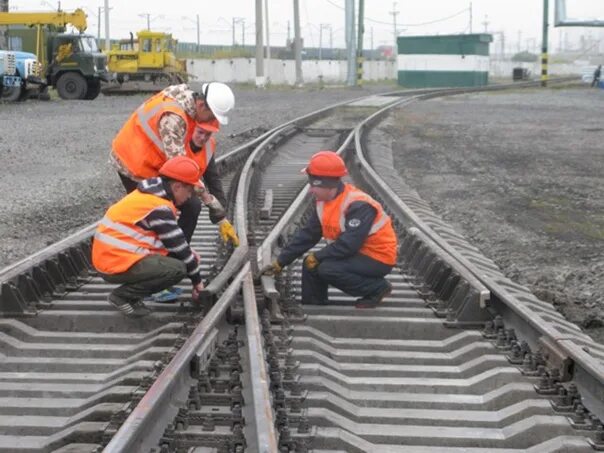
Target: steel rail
(588, 370)
(266, 438)
(139, 430)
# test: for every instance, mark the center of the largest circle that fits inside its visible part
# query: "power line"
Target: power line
(406, 25)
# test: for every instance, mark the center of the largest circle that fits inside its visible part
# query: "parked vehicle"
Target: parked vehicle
(10, 81)
(72, 63)
(148, 58)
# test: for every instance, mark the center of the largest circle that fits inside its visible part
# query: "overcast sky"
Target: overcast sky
(517, 19)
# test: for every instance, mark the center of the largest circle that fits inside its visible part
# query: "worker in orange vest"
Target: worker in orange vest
(362, 245)
(139, 245)
(178, 122)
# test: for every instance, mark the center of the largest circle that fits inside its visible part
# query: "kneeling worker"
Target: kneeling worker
(139, 243)
(363, 244)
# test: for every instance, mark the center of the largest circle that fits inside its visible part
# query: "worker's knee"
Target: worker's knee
(329, 269)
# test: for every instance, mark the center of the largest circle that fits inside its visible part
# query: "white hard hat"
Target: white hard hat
(219, 98)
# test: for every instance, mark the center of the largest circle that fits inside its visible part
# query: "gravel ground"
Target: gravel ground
(521, 176)
(56, 179)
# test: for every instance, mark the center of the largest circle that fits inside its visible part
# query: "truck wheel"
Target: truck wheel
(72, 85)
(93, 90)
(11, 94)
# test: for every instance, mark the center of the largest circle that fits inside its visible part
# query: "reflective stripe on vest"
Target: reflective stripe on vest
(117, 243)
(127, 231)
(350, 198)
(144, 118)
(380, 243)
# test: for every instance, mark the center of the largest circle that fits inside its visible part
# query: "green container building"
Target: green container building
(443, 61)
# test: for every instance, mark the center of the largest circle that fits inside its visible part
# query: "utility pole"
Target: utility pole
(320, 41)
(288, 32)
(486, 23)
(148, 17)
(361, 31)
(268, 42)
(197, 33)
(394, 13)
(519, 41)
(544, 56)
(107, 38)
(3, 30)
(470, 17)
(321, 27)
(233, 32)
(259, 45)
(350, 43)
(98, 30)
(243, 32)
(298, 43)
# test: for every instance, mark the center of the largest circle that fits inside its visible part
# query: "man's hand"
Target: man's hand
(227, 232)
(196, 255)
(197, 290)
(271, 269)
(311, 261)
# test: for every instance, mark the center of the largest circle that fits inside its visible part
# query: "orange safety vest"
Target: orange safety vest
(138, 144)
(118, 242)
(381, 243)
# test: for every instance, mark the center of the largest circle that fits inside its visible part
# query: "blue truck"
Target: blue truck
(20, 76)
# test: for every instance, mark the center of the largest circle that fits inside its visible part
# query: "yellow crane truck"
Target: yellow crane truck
(150, 58)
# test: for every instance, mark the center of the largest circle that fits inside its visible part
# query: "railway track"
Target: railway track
(458, 358)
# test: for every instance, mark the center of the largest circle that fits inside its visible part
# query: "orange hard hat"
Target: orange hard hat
(327, 164)
(209, 126)
(183, 169)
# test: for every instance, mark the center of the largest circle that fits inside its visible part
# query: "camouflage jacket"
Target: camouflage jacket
(172, 128)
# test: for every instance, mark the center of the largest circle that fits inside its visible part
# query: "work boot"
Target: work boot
(373, 300)
(136, 309)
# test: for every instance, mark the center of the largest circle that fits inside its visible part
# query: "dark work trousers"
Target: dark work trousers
(189, 211)
(358, 276)
(152, 274)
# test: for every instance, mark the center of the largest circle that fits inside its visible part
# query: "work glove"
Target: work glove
(271, 269)
(227, 232)
(311, 261)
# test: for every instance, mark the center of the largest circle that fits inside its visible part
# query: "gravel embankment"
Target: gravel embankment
(56, 179)
(521, 175)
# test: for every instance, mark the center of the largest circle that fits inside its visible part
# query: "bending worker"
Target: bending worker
(178, 122)
(139, 245)
(363, 244)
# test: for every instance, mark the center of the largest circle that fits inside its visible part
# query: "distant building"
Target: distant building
(444, 60)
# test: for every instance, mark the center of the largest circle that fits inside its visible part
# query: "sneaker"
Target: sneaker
(135, 310)
(167, 295)
(373, 300)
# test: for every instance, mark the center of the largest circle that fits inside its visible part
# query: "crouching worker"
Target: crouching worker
(362, 243)
(139, 245)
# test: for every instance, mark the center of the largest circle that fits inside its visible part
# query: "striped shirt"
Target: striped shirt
(163, 222)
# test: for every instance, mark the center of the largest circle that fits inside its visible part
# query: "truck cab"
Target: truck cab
(75, 65)
(21, 75)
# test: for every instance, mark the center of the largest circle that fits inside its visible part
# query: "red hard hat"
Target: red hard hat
(326, 163)
(209, 126)
(183, 169)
